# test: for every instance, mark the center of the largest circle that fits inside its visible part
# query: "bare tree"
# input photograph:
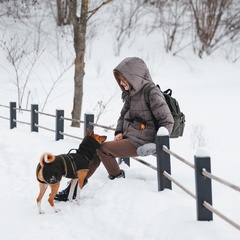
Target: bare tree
(24, 47)
(171, 18)
(127, 18)
(55, 82)
(213, 25)
(17, 9)
(63, 16)
(215, 22)
(22, 57)
(79, 30)
(101, 107)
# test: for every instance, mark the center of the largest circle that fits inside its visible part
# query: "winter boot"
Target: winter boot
(63, 195)
(121, 175)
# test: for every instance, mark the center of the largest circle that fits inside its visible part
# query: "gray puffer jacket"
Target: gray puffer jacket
(135, 111)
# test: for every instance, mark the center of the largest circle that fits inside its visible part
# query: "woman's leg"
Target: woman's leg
(93, 165)
(107, 154)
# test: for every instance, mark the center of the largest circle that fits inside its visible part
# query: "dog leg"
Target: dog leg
(81, 176)
(72, 188)
(42, 190)
(54, 190)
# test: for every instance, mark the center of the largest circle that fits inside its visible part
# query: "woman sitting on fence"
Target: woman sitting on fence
(135, 126)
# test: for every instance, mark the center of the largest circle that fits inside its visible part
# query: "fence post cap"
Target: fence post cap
(202, 152)
(162, 131)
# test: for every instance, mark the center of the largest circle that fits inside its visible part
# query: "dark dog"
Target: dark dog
(72, 165)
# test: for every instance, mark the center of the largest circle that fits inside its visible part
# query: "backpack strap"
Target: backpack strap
(147, 90)
(168, 92)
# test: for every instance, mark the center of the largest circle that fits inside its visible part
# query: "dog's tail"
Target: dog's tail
(46, 158)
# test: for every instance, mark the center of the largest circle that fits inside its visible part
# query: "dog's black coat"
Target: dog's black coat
(68, 164)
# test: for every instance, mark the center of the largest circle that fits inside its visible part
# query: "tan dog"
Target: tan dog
(72, 165)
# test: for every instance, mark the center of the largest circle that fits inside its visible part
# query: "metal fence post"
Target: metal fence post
(87, 119)
(59, 124)
(13, 115)
(124, 159)
(163, 163)
(203, 188)
(34, 117)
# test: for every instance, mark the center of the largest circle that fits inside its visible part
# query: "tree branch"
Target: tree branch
(96, 9)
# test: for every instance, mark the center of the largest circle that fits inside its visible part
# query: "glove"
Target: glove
(147, 149)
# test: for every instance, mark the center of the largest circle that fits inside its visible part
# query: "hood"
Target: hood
(135, 71)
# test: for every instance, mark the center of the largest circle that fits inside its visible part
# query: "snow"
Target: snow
(131, 208)
(162, 131)
(202, 152)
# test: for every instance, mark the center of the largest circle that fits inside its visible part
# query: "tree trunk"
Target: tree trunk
(79, 29)
(63, 15)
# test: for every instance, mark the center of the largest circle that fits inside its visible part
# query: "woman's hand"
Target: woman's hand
(118, 137)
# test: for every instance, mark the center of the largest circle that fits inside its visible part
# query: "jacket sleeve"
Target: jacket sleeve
(160, 109)
(125, 108)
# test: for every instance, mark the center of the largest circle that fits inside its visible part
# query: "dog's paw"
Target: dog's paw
(41, 212)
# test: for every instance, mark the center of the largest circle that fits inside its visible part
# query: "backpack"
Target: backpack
(178, 116)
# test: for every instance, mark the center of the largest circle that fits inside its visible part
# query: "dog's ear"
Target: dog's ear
(90, 133)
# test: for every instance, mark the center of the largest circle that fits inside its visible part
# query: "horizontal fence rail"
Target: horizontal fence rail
(101, 126)
(71, 119)
(226, 183)
(178, 184)
(46, 114)
(17, 121)
(45, 128)
(69, 135)
(210, 208)
(165, 149)
(201, 166)
(1, 105)
(167, 175)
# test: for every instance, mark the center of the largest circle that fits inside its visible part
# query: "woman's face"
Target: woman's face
(124, 83)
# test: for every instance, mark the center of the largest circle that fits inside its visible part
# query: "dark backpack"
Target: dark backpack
(178, 116)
